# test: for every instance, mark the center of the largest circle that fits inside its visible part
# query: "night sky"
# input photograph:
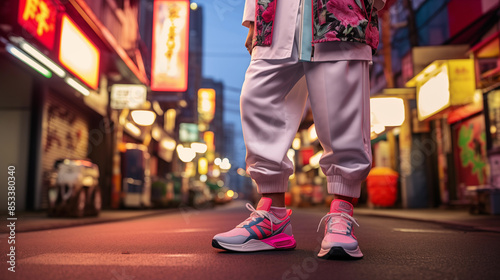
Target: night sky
(225, 57)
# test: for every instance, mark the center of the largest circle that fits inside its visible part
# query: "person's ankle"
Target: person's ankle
(352, 200)
(278, 199)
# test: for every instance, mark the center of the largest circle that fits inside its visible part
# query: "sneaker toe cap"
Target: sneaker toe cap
(238, 239)
(340, 241)
(234, 236)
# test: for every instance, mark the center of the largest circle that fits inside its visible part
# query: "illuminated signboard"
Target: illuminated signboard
(188, 132)
(38, 17)
(442, 84)
(206, 104)
(462, 80)
(433, 95)
(208, 137)
(170, 45)
(387, 111)
(128, 96)
(78, 54)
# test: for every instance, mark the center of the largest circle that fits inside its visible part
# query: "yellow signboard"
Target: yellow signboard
(442, 84)
(462, 81)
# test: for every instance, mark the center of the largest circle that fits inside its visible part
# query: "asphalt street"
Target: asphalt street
(178, 246)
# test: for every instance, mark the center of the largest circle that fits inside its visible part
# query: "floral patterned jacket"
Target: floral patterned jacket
(333, 20)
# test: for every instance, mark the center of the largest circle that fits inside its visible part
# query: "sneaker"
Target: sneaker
(261, 231)
(339, 241)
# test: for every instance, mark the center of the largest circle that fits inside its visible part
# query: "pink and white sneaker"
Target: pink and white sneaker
(263, 230)
(339, 241)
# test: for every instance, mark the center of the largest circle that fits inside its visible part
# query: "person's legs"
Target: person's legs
(340, 102)
(271, 110)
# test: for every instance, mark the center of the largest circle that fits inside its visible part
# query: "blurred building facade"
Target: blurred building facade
(441, 150)
(63, 111)
(75, 73)
(430, 52)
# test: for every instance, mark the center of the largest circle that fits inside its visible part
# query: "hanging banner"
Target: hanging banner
(170, 45)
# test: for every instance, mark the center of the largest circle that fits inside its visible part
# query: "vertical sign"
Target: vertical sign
(170, 45)
(206, 104)
(38, 17)
(209, 138)
(462, 81)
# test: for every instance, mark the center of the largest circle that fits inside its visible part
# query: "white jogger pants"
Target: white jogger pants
(271, 113)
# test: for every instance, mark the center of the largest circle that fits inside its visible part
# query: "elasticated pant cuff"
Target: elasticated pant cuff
(342, 186)
(272, 185)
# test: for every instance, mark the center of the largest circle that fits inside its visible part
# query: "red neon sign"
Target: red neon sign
(78, 54)
(170, 45)
(38, 17)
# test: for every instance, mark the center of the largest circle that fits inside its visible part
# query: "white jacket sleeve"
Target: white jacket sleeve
(249, 13)
(378, 4)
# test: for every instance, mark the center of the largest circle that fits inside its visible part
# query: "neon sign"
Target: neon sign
(78, 54)
(170, 45)
(38, 17)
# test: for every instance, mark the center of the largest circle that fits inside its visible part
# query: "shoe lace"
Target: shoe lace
(256, 214)
(346, 217)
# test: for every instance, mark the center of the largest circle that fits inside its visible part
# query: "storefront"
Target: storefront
(487, 56)
(447, 98)
(392, 139)
(16, 118)
(492, 115)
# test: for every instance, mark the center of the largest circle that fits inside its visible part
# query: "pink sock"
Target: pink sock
(279, 212)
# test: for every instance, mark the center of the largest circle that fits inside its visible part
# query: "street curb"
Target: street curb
(454, 225)
(77, 222)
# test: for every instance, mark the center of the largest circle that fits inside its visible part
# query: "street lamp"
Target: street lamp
(225, 165)
(387, 111)
(143, 117)
(203, 178)
(185, 154)
(199, 147)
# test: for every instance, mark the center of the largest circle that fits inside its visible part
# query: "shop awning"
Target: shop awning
(488, 48)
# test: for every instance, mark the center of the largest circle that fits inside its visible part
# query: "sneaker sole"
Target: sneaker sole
(278, 242)
(339, 253)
